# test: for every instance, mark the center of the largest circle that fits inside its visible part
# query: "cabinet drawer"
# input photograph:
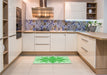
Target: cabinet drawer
(84, 39)
(86, 42)
(84, 51)
(42, 34)
(59, 35)
(42, 40)
(42, 47)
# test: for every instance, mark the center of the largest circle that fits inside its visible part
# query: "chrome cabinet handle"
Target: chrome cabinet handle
(85, 40)
(12, 35)
(42, 36)
(84, 49)
(42, 44)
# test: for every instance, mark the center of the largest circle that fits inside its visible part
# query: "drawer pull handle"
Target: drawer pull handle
(42, 36)
(12, 35)
(42, 44)
(84, 40)
(84, 49)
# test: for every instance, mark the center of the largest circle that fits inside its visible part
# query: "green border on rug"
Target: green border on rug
(52, 59)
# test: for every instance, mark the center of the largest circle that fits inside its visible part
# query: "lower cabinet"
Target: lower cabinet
(71, 42)
(87, 49)
(1, 61)
(15, 48)
(19, 45)
(42, 42)
(28, 42)
(12, 48)
(1, 55)
(58, 41)
(49, 42)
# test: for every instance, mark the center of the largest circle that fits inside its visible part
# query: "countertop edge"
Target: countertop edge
(98, 38)
(82, 33)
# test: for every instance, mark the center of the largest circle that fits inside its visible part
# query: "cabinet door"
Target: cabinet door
(75, 10)
(19, 45)
(71, 42)
(58, 11)
(28, 42)
(1, 55)
(12, 17)
(12, 48)
(67, 10)
(1, 29)
(92, 52)
(1, 10)
(58, 42)
(1, 62)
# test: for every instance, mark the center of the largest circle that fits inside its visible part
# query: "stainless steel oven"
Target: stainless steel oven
(18, 23)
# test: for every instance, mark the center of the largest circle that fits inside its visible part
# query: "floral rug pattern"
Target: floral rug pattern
(51, 59)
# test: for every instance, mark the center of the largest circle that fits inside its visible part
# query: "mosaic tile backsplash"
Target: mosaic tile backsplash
(48, 25)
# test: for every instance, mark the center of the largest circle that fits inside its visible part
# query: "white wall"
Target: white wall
(57, 4)
(19, 3)
(29, 5)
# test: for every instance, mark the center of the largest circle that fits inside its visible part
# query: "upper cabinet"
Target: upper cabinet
(1, 10)
(12, 17)
(58, 8)
(75, 10)
(91, 10)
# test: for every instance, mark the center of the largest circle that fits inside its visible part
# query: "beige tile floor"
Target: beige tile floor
(24, 66)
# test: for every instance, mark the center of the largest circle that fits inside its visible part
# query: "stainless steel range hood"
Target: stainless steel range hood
(43, 11)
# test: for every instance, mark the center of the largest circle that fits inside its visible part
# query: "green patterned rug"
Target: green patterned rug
(51, 59)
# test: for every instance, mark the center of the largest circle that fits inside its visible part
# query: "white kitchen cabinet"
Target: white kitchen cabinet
(1, 45)
(42, 42)
(28, 42)
(42, 47)
(1, 16)
(19, 45)
(75, 10)
(12, 48)
(58, 41)
(12, 17)
(71, 42)
(92, 52)
(1, 29)
(87, 48)
(58, 7)
(1, 55)
(1, 61)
